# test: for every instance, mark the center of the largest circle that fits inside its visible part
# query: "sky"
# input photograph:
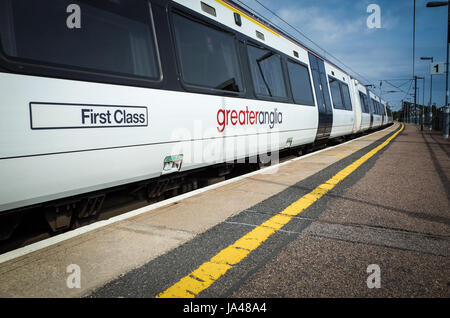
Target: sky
(376, 54)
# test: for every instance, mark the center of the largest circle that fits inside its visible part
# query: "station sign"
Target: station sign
(437, 68)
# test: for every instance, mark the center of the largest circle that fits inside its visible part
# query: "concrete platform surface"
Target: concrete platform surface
(391, 212)
(388, 218)
(395, 215)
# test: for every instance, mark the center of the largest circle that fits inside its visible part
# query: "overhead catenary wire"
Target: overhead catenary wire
(398, 87)
(302, 34)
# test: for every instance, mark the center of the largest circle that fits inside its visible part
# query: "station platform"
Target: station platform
(309, 227)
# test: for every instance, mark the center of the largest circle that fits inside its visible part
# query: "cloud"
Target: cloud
(343, 32)
(321, 26)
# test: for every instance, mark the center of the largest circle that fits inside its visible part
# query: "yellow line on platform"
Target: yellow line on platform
(207, 273)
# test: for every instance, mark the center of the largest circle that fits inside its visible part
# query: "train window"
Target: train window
(98, 36)
(371, 105)
(366, 102)
(266, 72)
(346, 95)
(364, 105)
(336, 93)
(375, 107)
(300, 84)
(208, 56)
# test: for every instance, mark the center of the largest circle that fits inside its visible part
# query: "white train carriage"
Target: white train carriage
(376, 110)
(390, 119)
(343, 109)
(362, 100)
(357, 108)
(98, 94)
(386, 115)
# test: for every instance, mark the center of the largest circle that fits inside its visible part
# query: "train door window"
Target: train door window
(374, 106)
(208, 56)
(346, 96)
(336, 93)
(95, 36)
(366, 101)
(267, 73)
(300, 84)
(364, 106)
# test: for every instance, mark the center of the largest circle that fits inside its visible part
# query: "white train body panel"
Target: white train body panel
(55, 163)
(377, 120)
(365, 117)
(357, 108)
(343, 120)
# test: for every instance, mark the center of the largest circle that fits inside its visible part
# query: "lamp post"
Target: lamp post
(446, 110)
(431, 93)
(422, 118)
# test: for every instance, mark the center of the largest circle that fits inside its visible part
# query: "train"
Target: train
(98, 95)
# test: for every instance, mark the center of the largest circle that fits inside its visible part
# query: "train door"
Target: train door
(322, 96)
(371, 108)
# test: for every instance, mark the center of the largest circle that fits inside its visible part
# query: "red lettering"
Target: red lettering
(221, 122)
(252, 117)
(234, 117)
(242, 122)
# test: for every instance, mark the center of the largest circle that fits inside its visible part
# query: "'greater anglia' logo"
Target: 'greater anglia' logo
(233, 117)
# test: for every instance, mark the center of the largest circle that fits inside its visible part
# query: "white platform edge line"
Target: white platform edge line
(88, 228)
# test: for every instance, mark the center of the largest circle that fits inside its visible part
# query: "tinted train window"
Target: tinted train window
(371, 105)
(346, 95)
(95, 35)
(336, 94)
(375, 106)
(267, 73)
(300, 84)
(364, 105)
(208, 57)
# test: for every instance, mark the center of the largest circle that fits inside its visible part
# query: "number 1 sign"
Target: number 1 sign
(437, 68)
